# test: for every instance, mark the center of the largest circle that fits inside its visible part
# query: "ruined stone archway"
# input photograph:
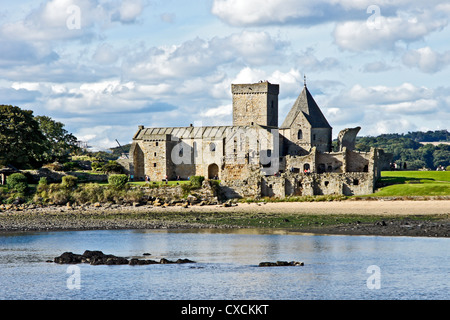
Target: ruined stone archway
(213, 171)
(138, 162)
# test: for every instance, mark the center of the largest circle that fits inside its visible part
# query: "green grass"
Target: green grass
(414, 183)
(418, 175)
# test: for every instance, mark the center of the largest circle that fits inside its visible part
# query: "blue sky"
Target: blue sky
(103, 67)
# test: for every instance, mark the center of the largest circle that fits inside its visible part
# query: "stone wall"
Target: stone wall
(317, 184)
(56, 176)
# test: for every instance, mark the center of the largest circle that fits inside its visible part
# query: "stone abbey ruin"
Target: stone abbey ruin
(255, 157)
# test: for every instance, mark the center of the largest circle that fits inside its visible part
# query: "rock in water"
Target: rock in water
(281, 264)
(96, 258)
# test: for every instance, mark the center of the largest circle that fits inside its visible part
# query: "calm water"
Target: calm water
(336, 267)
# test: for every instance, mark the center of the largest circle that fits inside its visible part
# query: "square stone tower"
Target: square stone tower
(255, 104)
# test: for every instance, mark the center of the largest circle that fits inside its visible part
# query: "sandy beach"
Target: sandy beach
(352, 217)
(358, 207)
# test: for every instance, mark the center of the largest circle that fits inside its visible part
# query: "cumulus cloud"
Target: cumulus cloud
(199, 57)
(129, 11)
(379, 109)
(105, 54)
(309, 62)
(58, 20)
(304, 12)
(359, 25)
(427, 60)
(359, 35)
(384, 95)
(376, 66)
(266, 12)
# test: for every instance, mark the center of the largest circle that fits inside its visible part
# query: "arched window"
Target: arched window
(212, 147)
(306, 168)
(300, 134)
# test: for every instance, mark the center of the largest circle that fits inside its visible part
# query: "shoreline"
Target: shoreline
(425, 218)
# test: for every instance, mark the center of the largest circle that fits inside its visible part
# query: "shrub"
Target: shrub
(43, 185)
(448, 168)
(60, 196)
(55, 166)
(69, 182)
(69, 166)
(113, 195)
(43, 181)
(133, 195)
(90, 192)
(97, 166)
(196, 181)
(186, 189)
(118, 181)
(17, 182)
(113, 167)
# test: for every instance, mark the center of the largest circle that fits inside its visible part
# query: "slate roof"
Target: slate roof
(305, 103)
(191, 132)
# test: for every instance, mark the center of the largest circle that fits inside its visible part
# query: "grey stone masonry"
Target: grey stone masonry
(255, 157)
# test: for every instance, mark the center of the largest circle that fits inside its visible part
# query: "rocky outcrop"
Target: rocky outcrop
(99, 258)
(281, 264)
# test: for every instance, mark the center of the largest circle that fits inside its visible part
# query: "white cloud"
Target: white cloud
(384, 126)
(376, 66)
(225, 110)
(304, 12)
(53, 19)
(383, 109)
(105, 54)
(427, 60)
(257, 12)
(129, 11)
(199, 57)
(375, 95)
(359, 35)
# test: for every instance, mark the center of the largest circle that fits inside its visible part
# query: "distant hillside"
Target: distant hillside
(117, 151)
(408, 148)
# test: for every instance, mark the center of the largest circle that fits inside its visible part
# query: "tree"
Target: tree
(60, 143)
(21, 142)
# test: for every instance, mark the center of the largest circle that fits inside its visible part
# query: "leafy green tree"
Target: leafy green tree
(21, 142)
(407, 148)
(60, 143)
(441, 156)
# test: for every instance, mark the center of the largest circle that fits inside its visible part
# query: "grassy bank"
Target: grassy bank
(414, 183)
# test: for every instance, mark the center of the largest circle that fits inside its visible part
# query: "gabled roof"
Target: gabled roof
(193, 132)
(305, 103)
